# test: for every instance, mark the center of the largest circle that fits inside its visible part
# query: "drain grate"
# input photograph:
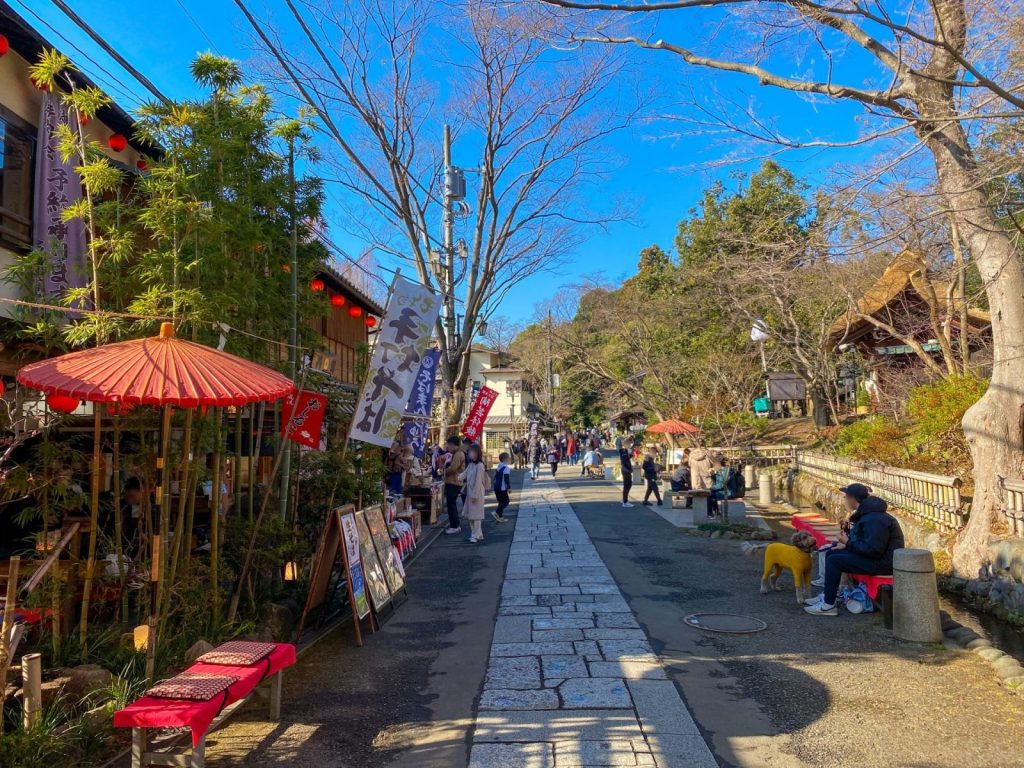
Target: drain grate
(729, 623)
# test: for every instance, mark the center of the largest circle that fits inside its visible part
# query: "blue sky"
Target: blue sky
(661, 174)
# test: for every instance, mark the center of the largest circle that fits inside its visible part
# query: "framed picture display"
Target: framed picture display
(373, 571)
(353, 561)
(393, 571)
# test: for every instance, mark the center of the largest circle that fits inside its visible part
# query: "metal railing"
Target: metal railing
(1012, 504)
(933, 498)
(761, 455)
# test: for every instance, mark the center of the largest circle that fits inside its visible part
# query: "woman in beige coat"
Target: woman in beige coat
(475, 478)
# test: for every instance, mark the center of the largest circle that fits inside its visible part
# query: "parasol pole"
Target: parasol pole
(94, 514)
(237, 595)
(158, 569)
(215, 522)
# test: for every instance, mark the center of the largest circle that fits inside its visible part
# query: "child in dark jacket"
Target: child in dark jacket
(650, 470)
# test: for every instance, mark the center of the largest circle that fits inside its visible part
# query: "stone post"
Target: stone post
(31, 687)
(915, 597)
(748, 475)
(764, 489)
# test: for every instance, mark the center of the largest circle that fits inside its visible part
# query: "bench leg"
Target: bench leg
(275, 697)
(138, 747)
(199, 754)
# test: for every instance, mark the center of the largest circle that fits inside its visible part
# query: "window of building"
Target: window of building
(495, 441)
(17, 169)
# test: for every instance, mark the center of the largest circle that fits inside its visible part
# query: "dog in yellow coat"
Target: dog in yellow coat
(795, 558)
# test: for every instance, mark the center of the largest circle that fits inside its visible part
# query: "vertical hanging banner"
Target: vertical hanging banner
(414, 434)
(421, 400)
(478, 413)
(57, 187)
(397, 355)
(306, 424)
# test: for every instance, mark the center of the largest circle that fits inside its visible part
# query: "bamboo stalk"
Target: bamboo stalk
(94, 515)
(215, 523)
(159, 565)
(238, 458)
(183, 487)
(118, 521)
(8, 622)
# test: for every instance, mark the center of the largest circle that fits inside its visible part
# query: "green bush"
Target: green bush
(937, 411)
(873, 439)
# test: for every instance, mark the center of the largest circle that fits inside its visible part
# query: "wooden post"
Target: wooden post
(159, 554)
(118, 522)
(31, 687)
(184, 483)
(94, 515)
(215, 503)
(8, 622)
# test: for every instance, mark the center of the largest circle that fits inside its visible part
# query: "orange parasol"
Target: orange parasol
(674, 427)
(159, 370)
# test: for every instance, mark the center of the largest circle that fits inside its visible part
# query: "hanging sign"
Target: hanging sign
(57, 187)
(414, 434)
(397, 355)
(304, 426)
(421, 400)
(478, 413)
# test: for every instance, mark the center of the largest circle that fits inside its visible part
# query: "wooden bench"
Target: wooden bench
(201, 717)
(825, 532)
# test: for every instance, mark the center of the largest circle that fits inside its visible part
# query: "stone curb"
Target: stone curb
(1008, 670)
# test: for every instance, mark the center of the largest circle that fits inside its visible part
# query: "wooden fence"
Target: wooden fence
(1012, 504)
(761, 455)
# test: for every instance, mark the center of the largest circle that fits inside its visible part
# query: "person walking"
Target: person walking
(650, 469)
(454, 466)
(626, 460)
(571, 449)
(553, 458)
(502, 485)
(475, 478)
(536, 458)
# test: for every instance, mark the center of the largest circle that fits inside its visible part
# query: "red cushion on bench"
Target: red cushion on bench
(871, 583)
(151, 712)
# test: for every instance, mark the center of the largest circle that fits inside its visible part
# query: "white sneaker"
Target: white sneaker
(472, 539)
(497, 518)
(814, 600)
(818, 582)
(626, 505)
(452, 531)
(822, 609)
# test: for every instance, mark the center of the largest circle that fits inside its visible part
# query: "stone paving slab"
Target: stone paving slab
(573, 681)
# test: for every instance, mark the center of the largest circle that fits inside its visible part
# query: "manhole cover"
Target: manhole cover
(725, 622)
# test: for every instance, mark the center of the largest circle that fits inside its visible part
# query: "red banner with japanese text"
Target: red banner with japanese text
(478, 413)
(304, 427)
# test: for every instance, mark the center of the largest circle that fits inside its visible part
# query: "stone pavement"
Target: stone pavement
(572, 680)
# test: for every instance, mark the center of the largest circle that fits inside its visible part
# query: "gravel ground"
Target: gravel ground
(807, 691)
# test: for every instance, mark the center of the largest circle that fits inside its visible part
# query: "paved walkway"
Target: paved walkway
(572, 680)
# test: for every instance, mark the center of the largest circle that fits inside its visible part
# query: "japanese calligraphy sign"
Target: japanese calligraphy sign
(304, 426)
(422, 398)
(397, 356)
(57, 187)
(414, 434)
(478, 413)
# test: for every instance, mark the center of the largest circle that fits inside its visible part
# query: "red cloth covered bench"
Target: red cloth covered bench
(198, 716)
(824, 532)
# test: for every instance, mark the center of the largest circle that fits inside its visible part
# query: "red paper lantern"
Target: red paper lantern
(142, 165)
(317, 285)
(62, 403)
(370, 321)
(338, 300)
(117, 142)
(5, 45)
(355, 311)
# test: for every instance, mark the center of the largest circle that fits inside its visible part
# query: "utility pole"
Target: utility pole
(448, 242)
(293, 331)
(551, 375)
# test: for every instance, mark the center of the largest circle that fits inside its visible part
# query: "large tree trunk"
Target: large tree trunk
(993, 425)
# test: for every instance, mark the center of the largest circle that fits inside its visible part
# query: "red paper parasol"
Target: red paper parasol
(160, 370)
(674, 427)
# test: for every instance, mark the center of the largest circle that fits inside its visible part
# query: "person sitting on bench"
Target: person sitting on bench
(868, 548)
(681, 481)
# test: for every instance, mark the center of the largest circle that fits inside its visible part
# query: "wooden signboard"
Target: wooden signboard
(376, 581)
(385, 550)
(353, 561)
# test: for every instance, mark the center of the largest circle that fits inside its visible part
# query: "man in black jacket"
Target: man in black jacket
(626, 460)
(874, 535)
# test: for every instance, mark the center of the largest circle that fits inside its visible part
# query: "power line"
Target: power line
(196, 24)
(111, 84)
(102, 43)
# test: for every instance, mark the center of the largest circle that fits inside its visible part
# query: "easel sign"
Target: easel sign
(353, 563)
(393, 571)
(376, 580)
